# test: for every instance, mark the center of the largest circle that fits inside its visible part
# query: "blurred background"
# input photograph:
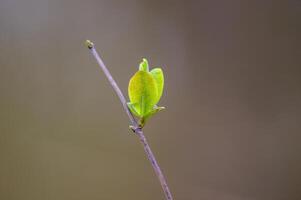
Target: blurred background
(231, 130)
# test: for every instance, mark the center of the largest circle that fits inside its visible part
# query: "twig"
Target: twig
(135, 126)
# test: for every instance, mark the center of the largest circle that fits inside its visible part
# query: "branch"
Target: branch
(136, 129)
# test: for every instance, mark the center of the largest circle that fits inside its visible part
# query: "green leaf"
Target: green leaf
(155, 110)
(157, 73)
(132, 108)
(143, 93)
(145, 90)
(144, 65)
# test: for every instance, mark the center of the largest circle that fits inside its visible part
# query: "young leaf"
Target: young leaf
(144, 65)
(159, 78)
(143, 92)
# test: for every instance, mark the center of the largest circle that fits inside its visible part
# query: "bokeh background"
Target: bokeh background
(231, 130)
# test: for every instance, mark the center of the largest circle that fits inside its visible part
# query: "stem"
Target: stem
(154, 163)
(135, 128)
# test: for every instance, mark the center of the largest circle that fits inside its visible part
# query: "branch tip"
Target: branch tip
(89, 44)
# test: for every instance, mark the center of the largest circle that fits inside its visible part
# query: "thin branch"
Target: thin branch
(135, 126)
(154, 163)
(101, 64)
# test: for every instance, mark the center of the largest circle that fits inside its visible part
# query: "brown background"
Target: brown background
(231, 130)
